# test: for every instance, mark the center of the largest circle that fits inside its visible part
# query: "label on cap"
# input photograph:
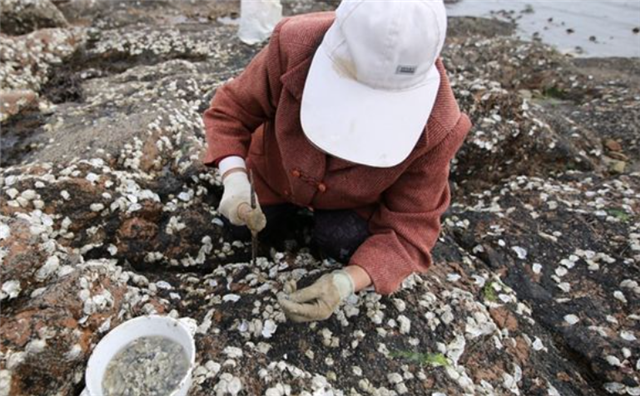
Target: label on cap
(405, 69)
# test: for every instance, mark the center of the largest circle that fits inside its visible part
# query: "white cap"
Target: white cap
(373, 80)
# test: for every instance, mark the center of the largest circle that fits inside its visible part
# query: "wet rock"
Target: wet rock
(532, 291)
(617, 166)
(13, 102)
(613, 145)
(25, 16)
(47, 341)
(580, 239)
(25, 61)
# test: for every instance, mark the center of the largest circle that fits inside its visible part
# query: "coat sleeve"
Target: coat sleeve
(243, 104)
(406, 225)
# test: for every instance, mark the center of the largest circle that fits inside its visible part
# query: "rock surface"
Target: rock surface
(25, 16)
(107, 213)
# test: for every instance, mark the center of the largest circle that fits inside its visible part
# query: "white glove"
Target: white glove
(237, 191)
(236, 203)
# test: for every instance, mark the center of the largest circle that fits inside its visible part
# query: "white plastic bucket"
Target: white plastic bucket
(143, 326)
(257, 19)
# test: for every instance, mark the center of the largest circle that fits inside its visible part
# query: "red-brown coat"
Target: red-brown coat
(257, 116)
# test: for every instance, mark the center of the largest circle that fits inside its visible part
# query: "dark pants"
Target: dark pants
(335, 233)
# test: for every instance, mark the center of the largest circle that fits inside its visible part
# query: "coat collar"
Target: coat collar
(294, 79)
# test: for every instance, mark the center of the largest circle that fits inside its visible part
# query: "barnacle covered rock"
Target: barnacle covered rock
(106, 213)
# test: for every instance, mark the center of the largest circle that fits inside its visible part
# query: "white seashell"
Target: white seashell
(233, 352)
(13, 360)
(571, 319)
(104, 327)
(50, 266)
(537, 344)
(627, 335)
(521, 252)
(12, 193)
(65, 270)
(10, 289)
(74, 353)
(5, 231)
(29, 195)
(405, 324)
(231, 297)
(453, 277)
(269, 328)
(615, 387)
(92, 177)
(394, 378)
(35, 346)
(620, 296)
(612, 360)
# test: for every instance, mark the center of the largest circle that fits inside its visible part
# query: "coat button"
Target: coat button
(322, 187)
(295, 173)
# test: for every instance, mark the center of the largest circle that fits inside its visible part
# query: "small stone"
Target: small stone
(617, 166)
(613, 145)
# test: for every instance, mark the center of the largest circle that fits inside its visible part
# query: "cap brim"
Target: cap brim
(360, 124)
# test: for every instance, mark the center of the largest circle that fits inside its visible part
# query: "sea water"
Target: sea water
(587, 28)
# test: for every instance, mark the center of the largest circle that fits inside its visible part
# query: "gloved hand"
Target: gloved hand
(236, 203)
(318, 301)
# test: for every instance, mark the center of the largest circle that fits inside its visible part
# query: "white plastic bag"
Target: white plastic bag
(257, 19)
